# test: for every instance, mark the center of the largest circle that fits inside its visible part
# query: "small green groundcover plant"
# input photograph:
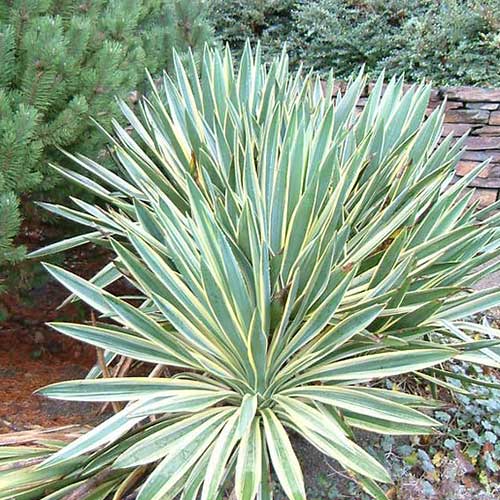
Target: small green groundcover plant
(287, 253)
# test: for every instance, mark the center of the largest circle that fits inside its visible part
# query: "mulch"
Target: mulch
(33, 355)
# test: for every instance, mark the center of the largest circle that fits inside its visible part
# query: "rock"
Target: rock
(488, 130)
(435, 95)
(447, 107)
(467, 116)
(464, 167)
(494, 118)
(494, 170)
(456, 129)
(490, 106)
(470, 94)
(493, 183)
(482, 143)
(450, 105)
(485, 196)
(482, 156)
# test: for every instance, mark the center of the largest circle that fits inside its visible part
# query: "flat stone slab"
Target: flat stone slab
(488, 130)
(470, 94)
(495, 118)
(482, 143)
(467, 116)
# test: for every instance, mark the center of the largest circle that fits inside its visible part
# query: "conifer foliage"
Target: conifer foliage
(10, 221)
(62, 61)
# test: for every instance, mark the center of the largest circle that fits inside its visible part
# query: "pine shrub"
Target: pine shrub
(10, 221)
(267, 21)
(62, 61)
(449, 42)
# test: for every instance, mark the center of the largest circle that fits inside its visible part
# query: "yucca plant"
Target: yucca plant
(288, 254)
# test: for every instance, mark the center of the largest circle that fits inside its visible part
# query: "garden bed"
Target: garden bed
(33, 355)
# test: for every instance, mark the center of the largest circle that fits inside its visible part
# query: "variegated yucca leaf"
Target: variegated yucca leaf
(288, 253)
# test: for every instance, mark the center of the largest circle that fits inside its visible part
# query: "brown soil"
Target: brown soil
(21, 375)
(32, 355)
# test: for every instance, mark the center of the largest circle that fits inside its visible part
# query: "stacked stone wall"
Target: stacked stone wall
(476, 111)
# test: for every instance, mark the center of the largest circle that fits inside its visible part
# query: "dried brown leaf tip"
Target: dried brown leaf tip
(347, 267)
(281, 295)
